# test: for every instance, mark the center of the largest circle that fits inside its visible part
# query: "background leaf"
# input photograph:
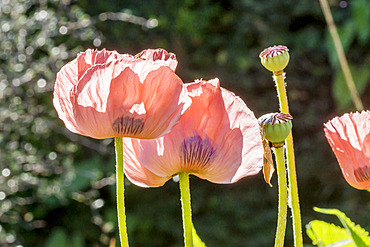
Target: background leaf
(359, 236)
(197, 242)
(59, 238)
(322, 234)
(341, 94)
(361, 16)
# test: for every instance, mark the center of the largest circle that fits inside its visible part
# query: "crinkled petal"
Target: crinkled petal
(241, 117)
(349, 136)
(142, 95)
(216, 139)
(66, 80)
(165, 99)
(162, 155)
(235, 131)
(92, 57)
(135, 172)
(366, 146)
(68, 77)
(159, 54)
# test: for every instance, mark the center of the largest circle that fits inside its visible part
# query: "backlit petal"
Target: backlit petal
(137, 174)
(349, 137)
(216, 139)
(66, 80)
(104, 94)
(159, 54)
(92, 57)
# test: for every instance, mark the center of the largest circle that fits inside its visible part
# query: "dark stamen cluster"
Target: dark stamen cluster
(128, 126)
(196, 152)
(362, 174)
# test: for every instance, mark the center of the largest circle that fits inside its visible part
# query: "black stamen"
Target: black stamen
(195, 152)
(128, 126)
(362, 174)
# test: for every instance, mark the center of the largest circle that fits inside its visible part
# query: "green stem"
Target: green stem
(283, 194)
(120, 193)
(293, 186)
(186, 208)
(341, 55)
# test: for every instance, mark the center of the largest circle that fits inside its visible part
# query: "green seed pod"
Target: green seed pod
(275, 58)
(276, 126)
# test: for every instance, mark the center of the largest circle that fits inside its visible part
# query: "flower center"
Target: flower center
(128, 126)
(196, 152)
(362, 174)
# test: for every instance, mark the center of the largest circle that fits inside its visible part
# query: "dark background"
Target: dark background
(57, 188)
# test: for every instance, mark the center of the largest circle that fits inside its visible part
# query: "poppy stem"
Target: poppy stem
(283, 194)
(356, 99)
(120, 192)
(186, 208)
(293, 186)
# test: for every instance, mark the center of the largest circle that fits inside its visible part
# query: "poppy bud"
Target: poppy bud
(275, 58)
(276, 127)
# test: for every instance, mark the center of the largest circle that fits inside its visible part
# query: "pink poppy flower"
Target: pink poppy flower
(217, 139)
(349, 137)
(104, 94)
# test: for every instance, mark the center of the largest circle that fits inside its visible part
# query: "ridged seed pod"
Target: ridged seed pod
(275, 58)
(276, 126)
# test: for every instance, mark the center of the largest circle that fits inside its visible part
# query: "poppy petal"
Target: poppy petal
(349, 137)
(104, 94)
(217, 139)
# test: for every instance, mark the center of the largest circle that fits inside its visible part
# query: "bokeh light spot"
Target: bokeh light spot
(5, 172)
(2, 195)
(41, 83)
(63, 30)
(52, 155)
(10, 239)
(97, 42)
(40, 16)
(28, 216)
(343, 4)
(97, 204)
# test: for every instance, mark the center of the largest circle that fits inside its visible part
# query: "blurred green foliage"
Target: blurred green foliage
(325, 234)
(57, 188)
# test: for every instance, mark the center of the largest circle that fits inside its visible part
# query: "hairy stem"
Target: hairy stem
(186, 209)
(283, 194)
(293, 186)
(120, 192)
